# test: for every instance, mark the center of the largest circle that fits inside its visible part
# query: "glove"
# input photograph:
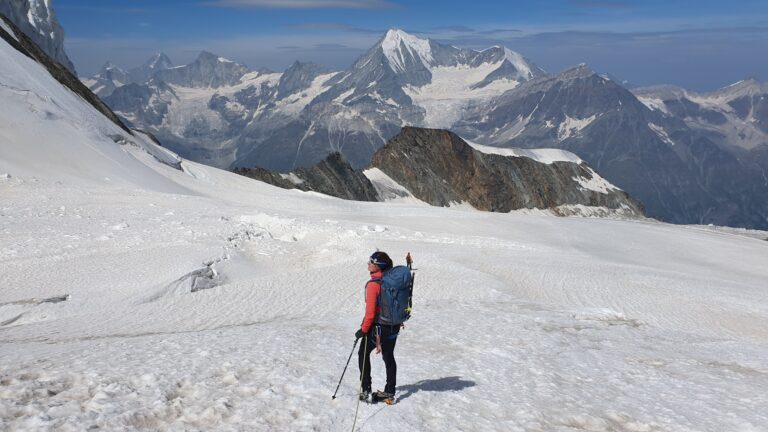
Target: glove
(359, 333)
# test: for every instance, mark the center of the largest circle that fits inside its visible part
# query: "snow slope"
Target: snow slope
(47, 129)
(137, 296)
(547, 156)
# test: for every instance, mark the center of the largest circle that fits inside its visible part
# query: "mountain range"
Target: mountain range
(689, 158)
(441, 169)
(216, 111)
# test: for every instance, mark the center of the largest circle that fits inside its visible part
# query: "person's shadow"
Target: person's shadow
(453, 383)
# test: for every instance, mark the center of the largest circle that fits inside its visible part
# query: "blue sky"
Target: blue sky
(701, 45)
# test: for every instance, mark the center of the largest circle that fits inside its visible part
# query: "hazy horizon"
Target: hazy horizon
(700, 45)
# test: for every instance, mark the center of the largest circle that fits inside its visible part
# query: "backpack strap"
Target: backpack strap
(378, 297)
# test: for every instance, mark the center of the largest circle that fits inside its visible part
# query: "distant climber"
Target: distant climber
(409, 261)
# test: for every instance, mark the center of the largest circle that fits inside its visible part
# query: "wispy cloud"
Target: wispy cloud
(304, 4)
(103, 9)
(499, 31)
(333, 26)
(697, 58)
(331, 46)
(456, 28)
(602, 4)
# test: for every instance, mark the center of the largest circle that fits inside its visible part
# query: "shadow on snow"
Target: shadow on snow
(453, 383)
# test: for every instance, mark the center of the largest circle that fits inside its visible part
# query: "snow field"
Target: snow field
(521, 322)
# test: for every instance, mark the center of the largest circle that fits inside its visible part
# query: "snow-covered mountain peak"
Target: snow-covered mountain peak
(299, 76)
(210, 58)
(158, 61)
(662, 92)
(110, 66)
(519, 63)
(395, 44)
(206, 56)
(747, 87)
(582, 70)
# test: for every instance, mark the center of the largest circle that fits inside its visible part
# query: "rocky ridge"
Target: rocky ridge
(439, 168)
(333, 176)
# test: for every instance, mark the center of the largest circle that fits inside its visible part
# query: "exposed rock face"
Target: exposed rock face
(208, 70)
(438, 167)
(27, 46)
(137, 98)
(38, 21)
(333, 176)
(734, 116)
(441, 169)
(147, 71)
(297, 77)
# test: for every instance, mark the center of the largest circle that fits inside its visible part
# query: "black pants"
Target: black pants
(388, 336)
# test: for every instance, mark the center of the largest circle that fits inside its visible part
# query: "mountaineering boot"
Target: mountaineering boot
(381, 396)
(365, 396)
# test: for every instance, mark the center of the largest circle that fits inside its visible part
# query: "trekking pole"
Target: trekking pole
(345, 368)
(366, 350)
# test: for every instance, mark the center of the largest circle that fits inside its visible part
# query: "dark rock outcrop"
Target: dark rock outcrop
(440, 168)
(333, 176)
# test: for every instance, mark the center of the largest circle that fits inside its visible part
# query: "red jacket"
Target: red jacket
(372, 290)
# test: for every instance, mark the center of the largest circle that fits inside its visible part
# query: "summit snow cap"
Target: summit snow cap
(396, 40)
